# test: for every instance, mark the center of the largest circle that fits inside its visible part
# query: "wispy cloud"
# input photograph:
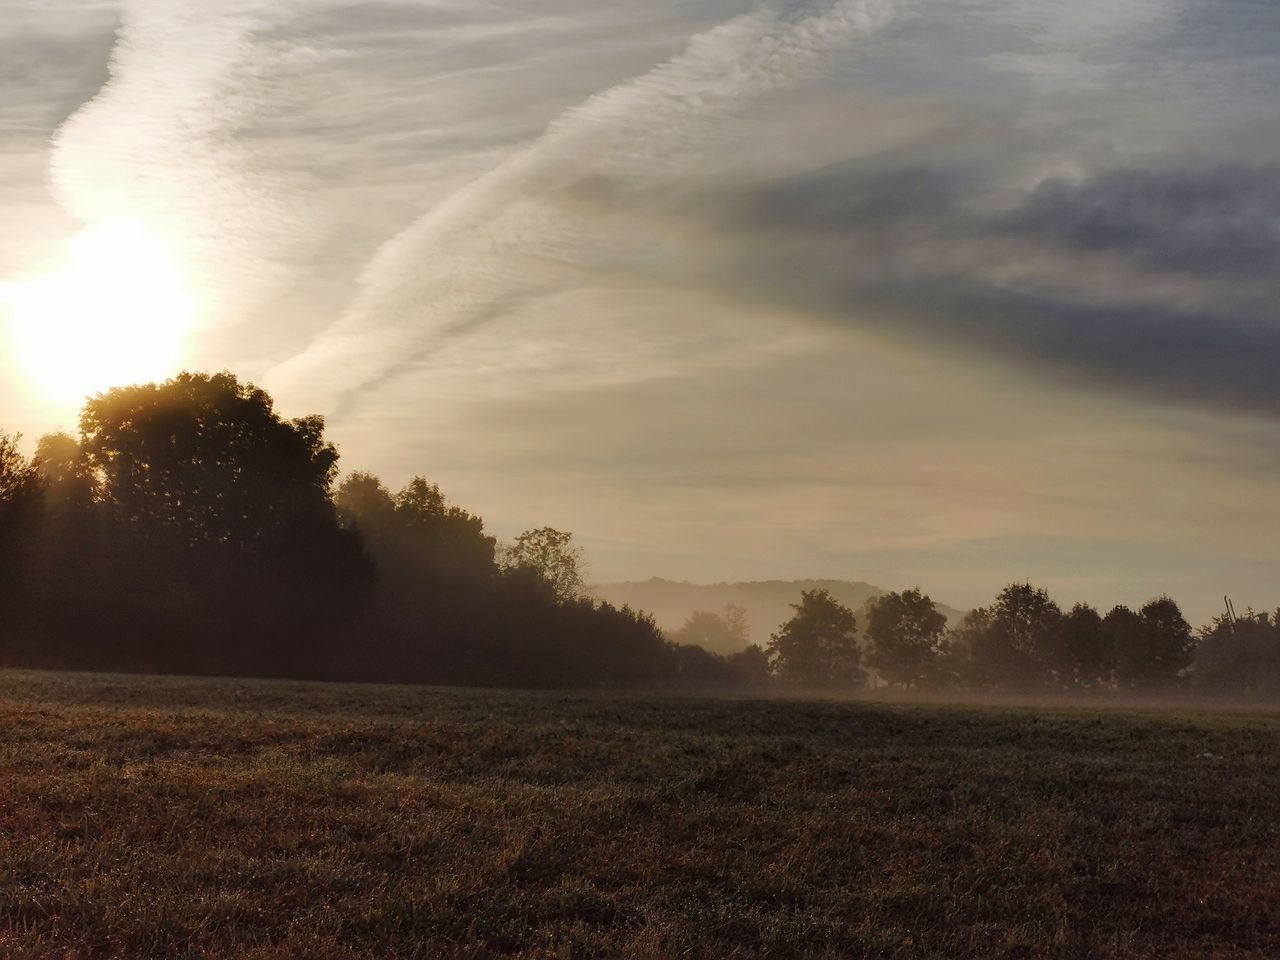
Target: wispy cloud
(507, 236)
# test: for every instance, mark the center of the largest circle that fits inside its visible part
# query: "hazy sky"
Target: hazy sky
(948, 292)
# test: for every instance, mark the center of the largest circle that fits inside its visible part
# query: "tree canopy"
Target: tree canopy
(818, 646)
(906, 634)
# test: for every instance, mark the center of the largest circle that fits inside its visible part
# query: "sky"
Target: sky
(937, 292)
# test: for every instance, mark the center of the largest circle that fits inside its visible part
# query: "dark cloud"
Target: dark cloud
(1154, 281)
(1187, 355)
(1218, 220)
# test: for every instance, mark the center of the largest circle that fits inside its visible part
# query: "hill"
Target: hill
(767, 602)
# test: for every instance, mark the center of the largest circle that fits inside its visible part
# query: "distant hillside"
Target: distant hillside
(767, 602)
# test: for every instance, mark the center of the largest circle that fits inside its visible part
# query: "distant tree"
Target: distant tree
(1153, 648)
(750, 667)
(553, 556)
(1084, 655)
(696, 666)
(1240, 656)
(906, 633)
(718, 632)
(818, 646)
(443, 535)
(1009, 643)
(365, 503)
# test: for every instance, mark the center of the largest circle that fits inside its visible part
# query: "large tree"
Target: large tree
(1240, 655)
(818, 646)
(205, 459)
(906, 632)
(1155, 648)
(1083, 655)
(1010, 642)
(225, 551)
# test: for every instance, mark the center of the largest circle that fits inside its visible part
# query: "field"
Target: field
(151, 817)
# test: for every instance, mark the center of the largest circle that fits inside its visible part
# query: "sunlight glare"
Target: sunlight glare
(117, 312)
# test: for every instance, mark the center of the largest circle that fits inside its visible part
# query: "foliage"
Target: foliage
(906, 633)
(1009, 642)
(1157, 649)
(1084, 655)
(818, 646)
(206, 459)
(552, 555)
(715, 631)
(1240, 656)
(21, 495)
(20, 488)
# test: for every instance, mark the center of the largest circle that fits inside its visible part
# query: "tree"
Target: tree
(1010, 643)
(1153, 648)
(21, 494)
(20, 489)
(224, 553)
(1240, 656)
(818, 646)
(442, 536)
(1085, 653)
(365, 503)
(718, 632)
(553, 556)
(750, 667)
(67, 477)
(204, 459)
(906, 632)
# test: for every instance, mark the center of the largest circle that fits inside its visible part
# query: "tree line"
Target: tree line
(1022, 642)
(189, 528)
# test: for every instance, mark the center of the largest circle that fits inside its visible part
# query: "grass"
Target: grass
(155, 818)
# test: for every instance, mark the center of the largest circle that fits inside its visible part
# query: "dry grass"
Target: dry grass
(231, 819)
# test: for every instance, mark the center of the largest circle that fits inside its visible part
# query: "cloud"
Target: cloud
(509, 236)
(1222, 220)
(1156, 281)
(164, 141)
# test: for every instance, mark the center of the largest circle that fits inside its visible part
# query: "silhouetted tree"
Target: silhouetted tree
(238, 561)
(365, 503)
(906, 633)
(696, 666)
(553, 556)
(719, 632)
(750, 666)
(20, 490)
(206, 459)
(1240, 656)
(1010, 643)
(1153, 649)
(21, 495)
(1084, 655)
(818, 646)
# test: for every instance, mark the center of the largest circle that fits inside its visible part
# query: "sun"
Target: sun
(118, 311)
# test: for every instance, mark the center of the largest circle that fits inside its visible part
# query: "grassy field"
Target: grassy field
(148, 817)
